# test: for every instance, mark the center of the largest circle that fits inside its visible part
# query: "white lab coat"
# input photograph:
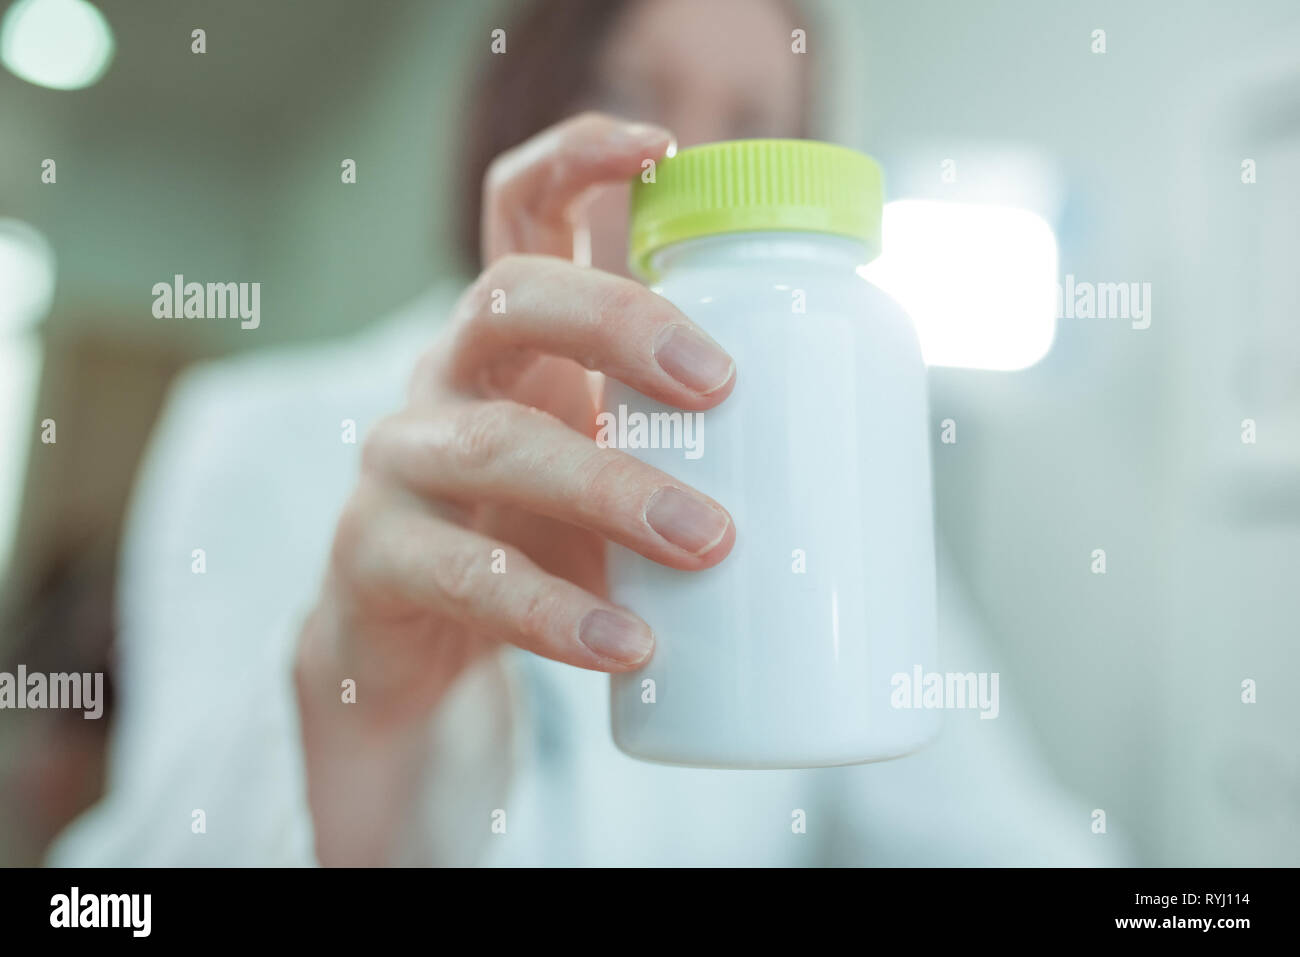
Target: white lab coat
(248, 465)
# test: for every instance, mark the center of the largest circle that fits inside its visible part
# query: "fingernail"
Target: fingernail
(641, 133)
(615, 636)
(684, 520)
(693, 359)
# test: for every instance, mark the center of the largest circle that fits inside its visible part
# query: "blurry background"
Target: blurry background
(226, 166)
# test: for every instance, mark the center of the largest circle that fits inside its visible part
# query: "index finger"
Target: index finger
(530, 191)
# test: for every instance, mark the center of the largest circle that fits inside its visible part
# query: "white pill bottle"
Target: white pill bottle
(801, 648)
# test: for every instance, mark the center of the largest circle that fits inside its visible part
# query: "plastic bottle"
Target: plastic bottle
(787, 653)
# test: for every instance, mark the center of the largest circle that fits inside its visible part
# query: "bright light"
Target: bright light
(62, 44)
(978, 281)
(26, 290)
(20, 367)
(26, 276)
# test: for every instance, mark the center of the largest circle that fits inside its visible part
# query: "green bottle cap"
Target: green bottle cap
(747, 185)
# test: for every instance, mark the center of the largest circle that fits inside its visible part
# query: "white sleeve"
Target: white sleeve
(204, 763)
(225, 547)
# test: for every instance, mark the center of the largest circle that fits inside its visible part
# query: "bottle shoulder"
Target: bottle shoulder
(779, 285)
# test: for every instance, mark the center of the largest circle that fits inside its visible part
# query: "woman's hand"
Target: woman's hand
(492, 465)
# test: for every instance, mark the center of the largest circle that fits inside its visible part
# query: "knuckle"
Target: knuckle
(605, 326)
(481, 433)
(455, 574)
(428, 375)
(588, 122)
(536, 615)
(352, 531)
(498, 173)
(506, 270)
(477, 297)
(607, 479)
(618, 300)
(374, 447)
(503, 273)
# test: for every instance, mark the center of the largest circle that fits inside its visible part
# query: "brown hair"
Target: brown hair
(554, 47)
(531, 88)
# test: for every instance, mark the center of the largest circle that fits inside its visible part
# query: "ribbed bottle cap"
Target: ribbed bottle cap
(746, 185)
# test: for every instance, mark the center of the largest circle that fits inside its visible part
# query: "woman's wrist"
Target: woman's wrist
(343, 670)
(364, 762)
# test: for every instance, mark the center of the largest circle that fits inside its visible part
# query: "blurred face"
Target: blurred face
(707, 71)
